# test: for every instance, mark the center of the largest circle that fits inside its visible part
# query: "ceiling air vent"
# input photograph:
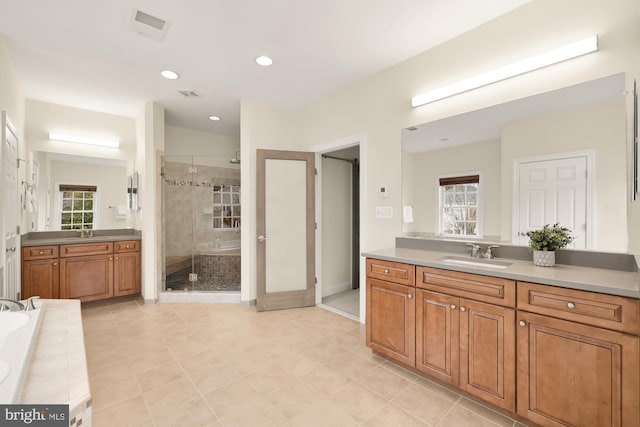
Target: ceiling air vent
(148, 25)
(188, 93)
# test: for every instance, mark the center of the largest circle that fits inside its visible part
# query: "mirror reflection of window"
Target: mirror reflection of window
(77, 207)
(459, 208)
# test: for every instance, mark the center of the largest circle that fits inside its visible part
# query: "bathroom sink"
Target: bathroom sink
(475, 262)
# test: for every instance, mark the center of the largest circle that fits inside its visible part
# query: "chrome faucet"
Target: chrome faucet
(476, 250)
(11, 305)
(488, 254)
(29, 305)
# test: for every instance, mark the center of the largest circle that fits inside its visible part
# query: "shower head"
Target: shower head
(235, 160)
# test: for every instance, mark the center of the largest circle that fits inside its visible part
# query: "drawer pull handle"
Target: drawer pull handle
(463, 309)
(453, 306)
(409, 296)
(571, 305)
(522, 323)
(386, 271)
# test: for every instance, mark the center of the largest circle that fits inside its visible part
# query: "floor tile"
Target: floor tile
(132, 412)
(194, 413)
(322, 414)
(269, 379)
(424, 404)
(168, 395)
(383, 382)
(233, 397)
(113, 393)
(393, 415)
(485, 412)
(252, 415)
(461, 417)
(161, 375)
(358, 402)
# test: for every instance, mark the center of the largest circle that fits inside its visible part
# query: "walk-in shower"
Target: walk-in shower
(201, 223)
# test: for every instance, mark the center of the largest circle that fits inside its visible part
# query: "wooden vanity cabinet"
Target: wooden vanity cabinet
(40, 272)
(390, 324)
(572, 373)
(86, 271)
(466, 343)
(126, 268)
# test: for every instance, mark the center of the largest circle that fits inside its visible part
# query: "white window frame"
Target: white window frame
(479, 206)
(57, 212)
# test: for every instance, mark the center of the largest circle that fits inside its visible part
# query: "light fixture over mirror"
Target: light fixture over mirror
(573, 50)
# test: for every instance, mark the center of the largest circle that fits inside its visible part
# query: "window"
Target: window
(459, 205)
(226, 206)
(77, 206)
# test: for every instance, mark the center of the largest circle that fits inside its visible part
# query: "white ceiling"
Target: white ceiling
(81, 53)
(486, 124)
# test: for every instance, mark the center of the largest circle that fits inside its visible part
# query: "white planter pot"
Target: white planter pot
(544, 258)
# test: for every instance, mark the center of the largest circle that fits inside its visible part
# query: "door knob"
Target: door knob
(261, 238)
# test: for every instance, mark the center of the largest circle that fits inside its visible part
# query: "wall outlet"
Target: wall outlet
(384, 212)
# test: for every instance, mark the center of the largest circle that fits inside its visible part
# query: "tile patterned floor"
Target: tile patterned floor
(227, 365)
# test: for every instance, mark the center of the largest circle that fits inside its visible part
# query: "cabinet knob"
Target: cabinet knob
(522, 323)
(110, 259)
(386, 270)
(116, 257)
(463, 309)
(409, 296)
(41, 252)
(55, 263)
(452, 306)
(127, 247)
(571, 305)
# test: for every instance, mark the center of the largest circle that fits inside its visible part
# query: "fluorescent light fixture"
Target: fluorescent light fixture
(171, 75)
(551, 57)
(265, 61)
(113, 143)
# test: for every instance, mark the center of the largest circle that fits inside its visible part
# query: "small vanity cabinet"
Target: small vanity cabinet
(84, 271)
(391, 310)
(553, 355)
(584, 370)
(40, 272)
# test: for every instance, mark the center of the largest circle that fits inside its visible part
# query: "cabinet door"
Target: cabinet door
(41, 278)
(391, 320)
(126, 274)
(573, 374)
(488, 352)
(86, 278)
(437, 335)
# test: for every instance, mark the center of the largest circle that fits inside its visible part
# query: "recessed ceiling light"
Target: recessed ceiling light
(214, 118)
(171, 75)
(265, 61)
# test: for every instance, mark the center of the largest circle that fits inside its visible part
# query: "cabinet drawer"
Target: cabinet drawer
(39, 252)
(607, 311)
(126, 246)
(395, 272)
(473, 286)
(80, 249)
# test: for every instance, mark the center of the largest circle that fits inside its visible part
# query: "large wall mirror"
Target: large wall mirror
(70, 192)
(496, 173)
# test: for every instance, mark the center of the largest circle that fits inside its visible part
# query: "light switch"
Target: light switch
(384, 191)
(384, 212)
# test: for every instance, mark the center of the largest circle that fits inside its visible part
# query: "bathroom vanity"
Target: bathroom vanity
(85, 268)
(558, 346)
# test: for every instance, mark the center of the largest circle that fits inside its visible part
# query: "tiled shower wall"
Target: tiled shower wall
(187, 203)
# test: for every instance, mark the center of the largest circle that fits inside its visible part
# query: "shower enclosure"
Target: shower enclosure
(201, 223)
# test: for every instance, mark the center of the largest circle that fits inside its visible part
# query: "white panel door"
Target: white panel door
(285, 225)
(553, 191)
(10, 210)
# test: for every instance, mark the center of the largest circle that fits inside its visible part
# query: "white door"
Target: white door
(285, 225)
(10, 210)
(553, 191)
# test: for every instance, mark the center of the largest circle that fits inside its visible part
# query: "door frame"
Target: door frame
(347, 142)
(7, 125)
(515, 194)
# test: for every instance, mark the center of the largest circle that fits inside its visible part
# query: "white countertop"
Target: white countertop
(612, 282)
(57, 373)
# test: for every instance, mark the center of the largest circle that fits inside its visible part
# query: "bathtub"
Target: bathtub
(18, 331)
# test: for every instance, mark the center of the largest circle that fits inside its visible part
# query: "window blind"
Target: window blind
(454, 180)
(67, 187)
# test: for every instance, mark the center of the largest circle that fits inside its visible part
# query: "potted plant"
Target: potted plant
(546, 241)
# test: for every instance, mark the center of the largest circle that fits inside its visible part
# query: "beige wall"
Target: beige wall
(336, 226)
(378, 107)
(600, 128)
(44, 117)
(214, 149)
(420, 172)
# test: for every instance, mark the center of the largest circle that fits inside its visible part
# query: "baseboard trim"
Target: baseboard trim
(327, 291)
